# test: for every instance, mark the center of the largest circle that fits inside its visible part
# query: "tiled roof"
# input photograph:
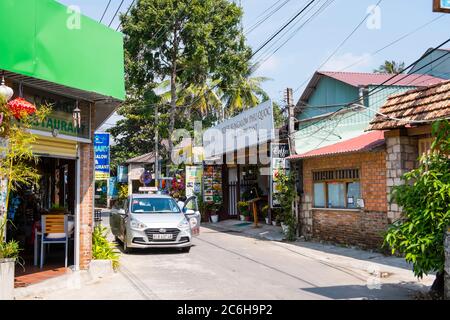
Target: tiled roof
(145, 158)
(364, 79)
(364, 142)
(429, 103)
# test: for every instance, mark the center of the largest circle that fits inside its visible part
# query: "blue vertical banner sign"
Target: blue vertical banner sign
(101, 151)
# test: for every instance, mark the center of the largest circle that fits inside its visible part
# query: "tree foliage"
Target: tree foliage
(186, 42)
(390, 67)
(425, 201)
(285, 196)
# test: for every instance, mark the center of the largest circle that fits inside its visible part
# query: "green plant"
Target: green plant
(243, 208)
(102, 249)
(264, 210)
(15, 166)
(285, 196)
(425, 199)
(122, 194)
(9, 250)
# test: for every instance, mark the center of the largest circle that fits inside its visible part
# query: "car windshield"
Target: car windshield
(154, 205)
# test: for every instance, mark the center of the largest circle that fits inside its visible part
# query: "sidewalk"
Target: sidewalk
(264, 231)
(368, 264)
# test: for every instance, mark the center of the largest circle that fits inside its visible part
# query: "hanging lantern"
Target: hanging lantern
(19, 107)
(5, 91)
(76, 115)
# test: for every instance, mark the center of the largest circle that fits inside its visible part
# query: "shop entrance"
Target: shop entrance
(54, 194)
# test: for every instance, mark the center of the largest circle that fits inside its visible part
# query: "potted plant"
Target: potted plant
(243, 209)
(213, 208)
(264, 211)
(104, 254)
(9, 255)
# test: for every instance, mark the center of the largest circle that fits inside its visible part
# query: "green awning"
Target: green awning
(41, 39)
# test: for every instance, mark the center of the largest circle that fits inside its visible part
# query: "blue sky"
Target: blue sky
(309, 48)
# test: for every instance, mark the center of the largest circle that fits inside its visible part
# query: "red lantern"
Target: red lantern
(20, 107)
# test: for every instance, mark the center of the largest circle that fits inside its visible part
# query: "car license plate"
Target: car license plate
(162, 236)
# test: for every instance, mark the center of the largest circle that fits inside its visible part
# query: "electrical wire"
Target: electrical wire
(341, 44)
(282, 28)
(265, 18)
(115, 14)
(126, 13)
(104, 12)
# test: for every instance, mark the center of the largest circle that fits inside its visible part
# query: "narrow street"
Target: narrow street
(225, 265)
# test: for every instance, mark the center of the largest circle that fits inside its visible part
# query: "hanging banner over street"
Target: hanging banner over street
(101, 154)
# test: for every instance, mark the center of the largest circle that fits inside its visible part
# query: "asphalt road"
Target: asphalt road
(225, 265)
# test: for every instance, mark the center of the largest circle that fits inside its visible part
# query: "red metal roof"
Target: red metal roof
(364, 79)
(364, 142)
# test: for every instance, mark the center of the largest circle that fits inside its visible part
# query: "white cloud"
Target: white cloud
(349, 62)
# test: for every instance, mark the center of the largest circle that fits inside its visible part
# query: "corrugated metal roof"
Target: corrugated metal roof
(429, 103)
(365, 142)
(359, 79)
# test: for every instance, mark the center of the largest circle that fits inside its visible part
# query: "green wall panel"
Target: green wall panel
(36, 41)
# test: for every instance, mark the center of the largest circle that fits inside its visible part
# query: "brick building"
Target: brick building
(70, 62)
(343, 198)
(406, 121)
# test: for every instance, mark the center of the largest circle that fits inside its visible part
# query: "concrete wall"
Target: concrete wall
(401, 157)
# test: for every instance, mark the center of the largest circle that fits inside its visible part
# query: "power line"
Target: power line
(282, 28)
(341, 44)
(396, 41)
(104, 12)
(265, 18)
(115, 14)
(126, 13)
(324, 6)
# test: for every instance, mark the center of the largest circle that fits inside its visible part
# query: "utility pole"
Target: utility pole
(289, 98)
(156, 147)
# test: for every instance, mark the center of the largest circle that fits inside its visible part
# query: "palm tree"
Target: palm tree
(392, 67)
(244, 94)
(199, 97)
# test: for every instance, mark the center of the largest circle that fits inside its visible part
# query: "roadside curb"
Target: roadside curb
(264, 234)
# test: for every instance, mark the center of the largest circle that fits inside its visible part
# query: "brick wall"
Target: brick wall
(356, 227)
(401, 157)
(86, 197)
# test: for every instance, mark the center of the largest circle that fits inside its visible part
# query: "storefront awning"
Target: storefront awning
(57, 48)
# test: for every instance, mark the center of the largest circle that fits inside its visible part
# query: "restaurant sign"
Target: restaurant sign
(101, 151)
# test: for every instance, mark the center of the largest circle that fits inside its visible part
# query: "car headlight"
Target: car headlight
(183, 224)
(135, 224)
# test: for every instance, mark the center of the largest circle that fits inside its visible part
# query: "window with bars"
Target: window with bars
(336, 188)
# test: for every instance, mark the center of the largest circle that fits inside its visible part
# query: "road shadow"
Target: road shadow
(399, 291)
(317, 247)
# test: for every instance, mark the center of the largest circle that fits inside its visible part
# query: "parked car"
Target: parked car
(155, 221)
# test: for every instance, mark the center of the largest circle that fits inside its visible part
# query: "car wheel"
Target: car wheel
(186, 249)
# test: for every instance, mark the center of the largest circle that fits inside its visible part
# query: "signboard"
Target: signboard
(113, 192)
(193, 180)
(212, 184)
(122, 174)
(278, 152)
(441, 6)
(250, 128)
(101, 151)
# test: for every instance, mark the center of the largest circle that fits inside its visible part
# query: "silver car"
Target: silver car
(155, 221)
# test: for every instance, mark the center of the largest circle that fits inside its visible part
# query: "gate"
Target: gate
(232, 199)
